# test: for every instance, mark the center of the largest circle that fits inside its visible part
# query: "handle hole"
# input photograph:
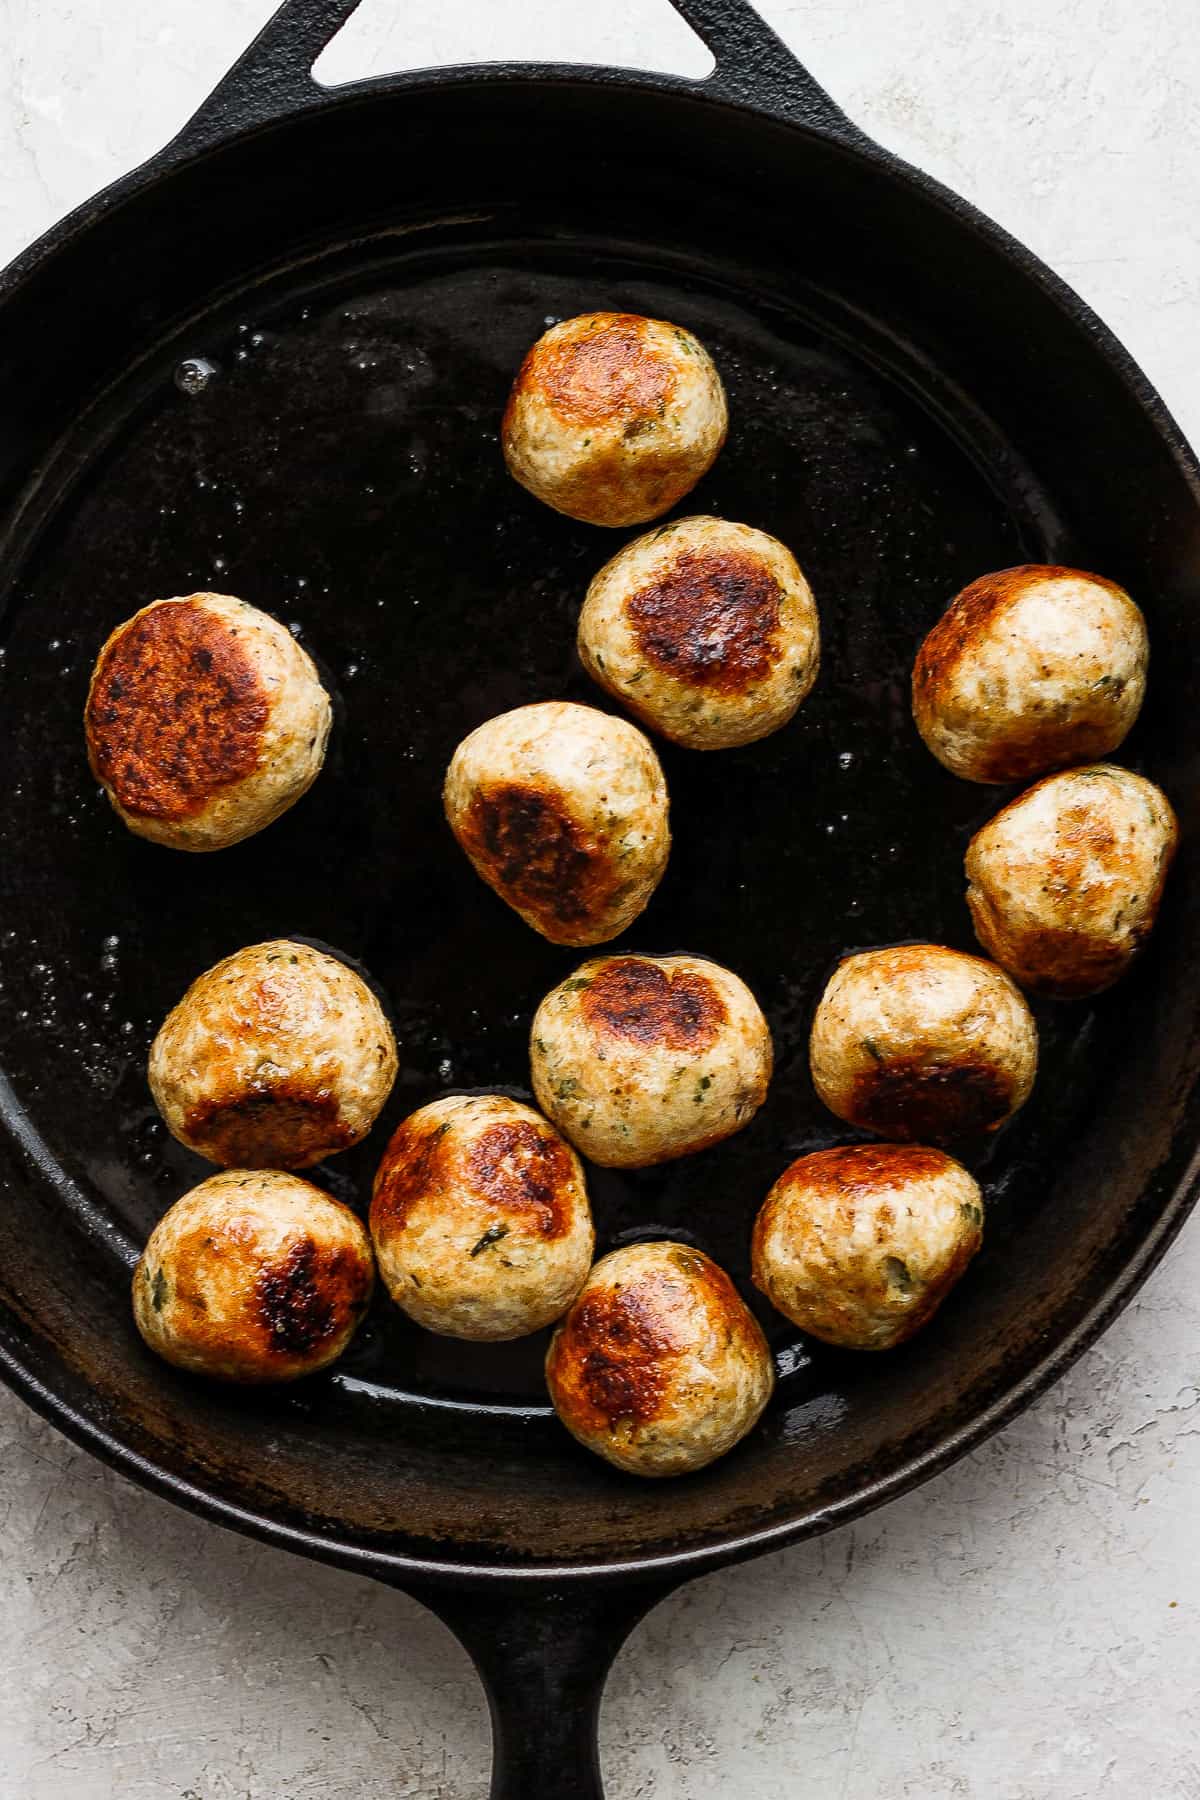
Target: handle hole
(381, 38)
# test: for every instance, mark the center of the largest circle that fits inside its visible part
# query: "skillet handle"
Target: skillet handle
(270, 79)
(273, 76)
(543, 1654)
(755, 68)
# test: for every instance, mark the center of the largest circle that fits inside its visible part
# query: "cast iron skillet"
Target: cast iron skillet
(915, 400)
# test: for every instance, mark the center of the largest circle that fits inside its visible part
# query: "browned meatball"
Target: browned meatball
(274, 1058)
(1066, 881)
(480, 1218)
(639, 1059)
(920, 1042)
(1029, 669)
(205, 721)
(860, 1246)
(706, 630)
(253, 1276)
(613, 417)
(563, 811)
(659, 1366)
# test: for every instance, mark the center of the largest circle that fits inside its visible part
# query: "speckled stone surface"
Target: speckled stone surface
(1024, 1628)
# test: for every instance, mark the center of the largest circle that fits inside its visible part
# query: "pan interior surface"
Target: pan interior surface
(337, 463)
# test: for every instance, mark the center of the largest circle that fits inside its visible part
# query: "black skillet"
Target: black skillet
(914, 400)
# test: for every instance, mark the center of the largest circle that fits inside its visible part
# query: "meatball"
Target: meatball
(1064, 884)
(480, 1218)
(706, 630)
(640, 1059)
(659, 1366)
(860, 1246)
(919, 1042)
(613, 418)
(205, 720)
(253, 1276)
(274, 1058)
(1029, 669)
(563, 811)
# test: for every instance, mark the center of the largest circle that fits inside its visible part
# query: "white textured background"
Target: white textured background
(1025, 1628)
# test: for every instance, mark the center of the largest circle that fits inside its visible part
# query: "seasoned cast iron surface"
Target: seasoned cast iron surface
(339, 467)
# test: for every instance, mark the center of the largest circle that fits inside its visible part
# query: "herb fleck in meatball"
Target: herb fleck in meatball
(921, 1043)
(275, 1058)
(860, 1246)
(639, 1059)
(1066, 881)
(659, 1366)
(480, 1218)
(205, 721)
(613, 418)
(253, 1276)
(563, 811)
(1029, 669)
(706, 630)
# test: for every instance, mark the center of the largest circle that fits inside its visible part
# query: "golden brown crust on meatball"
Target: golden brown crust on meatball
(1065, 882)
(480, 1218)
(614, 417)
(659, 1366)
(205, 720)
(253, 1276)
(640, 1059)
(906, 1097)
(563, 811)
(646, 1003)
(918, 1042)
(611, 1360)
(611, 369)
(524, 1167)
(712, 620)
(527, 845)
(860, 1245)
(285, 1122)
(275, 1058)
(166, 761)
(1027, 669)
(706, 630)
(300, 1296)
(516, 1165)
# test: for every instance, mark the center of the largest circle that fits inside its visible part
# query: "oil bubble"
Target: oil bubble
(194, 374)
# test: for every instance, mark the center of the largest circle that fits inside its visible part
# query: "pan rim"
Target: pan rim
(395, 1566)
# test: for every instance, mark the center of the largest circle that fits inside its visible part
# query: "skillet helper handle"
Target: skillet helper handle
(274, 78)
(755, 68)
(543, 1654)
